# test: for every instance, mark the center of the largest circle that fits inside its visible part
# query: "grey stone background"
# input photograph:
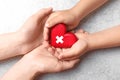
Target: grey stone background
(96, 65)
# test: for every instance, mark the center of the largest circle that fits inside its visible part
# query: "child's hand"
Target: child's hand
(78, 49)
(67, 17)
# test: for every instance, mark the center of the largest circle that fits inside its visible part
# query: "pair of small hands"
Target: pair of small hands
(69, 18)
(41, 54)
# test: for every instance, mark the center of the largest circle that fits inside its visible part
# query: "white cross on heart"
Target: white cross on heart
(59, 39)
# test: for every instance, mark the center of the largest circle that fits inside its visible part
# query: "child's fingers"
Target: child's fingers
(59, 50)
(75, 51)
(73, 31)
(65, 49)
(80, 34)
(81, 31)
(86, 32)
(56, 54)
(50, 23)
(52, 51)
(67, 53)
(53, 21)
(53, 47)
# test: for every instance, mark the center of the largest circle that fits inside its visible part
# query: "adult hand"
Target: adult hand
(32, 30)
(40, 60)
(26, 38)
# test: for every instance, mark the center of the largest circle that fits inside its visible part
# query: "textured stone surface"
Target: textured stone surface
(98, 65)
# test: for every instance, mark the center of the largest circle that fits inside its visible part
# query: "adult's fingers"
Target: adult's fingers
(46, 33)
(45, 44)
(71, 58)
(42, 14)
(69, 64)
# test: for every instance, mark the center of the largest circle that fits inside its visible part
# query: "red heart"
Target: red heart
(61, 39)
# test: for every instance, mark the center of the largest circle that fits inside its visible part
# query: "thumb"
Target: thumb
(74, 52)
(53, 20)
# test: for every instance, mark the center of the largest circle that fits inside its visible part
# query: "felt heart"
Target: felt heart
(59, 38)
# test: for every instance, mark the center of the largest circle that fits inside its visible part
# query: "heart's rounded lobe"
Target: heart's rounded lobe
(59, 38)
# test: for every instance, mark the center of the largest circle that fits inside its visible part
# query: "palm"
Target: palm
(43, 56)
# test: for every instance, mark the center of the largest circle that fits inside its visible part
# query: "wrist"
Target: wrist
(12, 45)
(20, 43)
(79, 11)
(23, 43)
(20, 71)
(76, 13)
(30, 60)
(92, 42)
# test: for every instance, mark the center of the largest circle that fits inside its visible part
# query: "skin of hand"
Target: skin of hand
(38, 61)
(103, 39)
(71, 17)
(65, 16)
(77, 50)
(28, 37)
